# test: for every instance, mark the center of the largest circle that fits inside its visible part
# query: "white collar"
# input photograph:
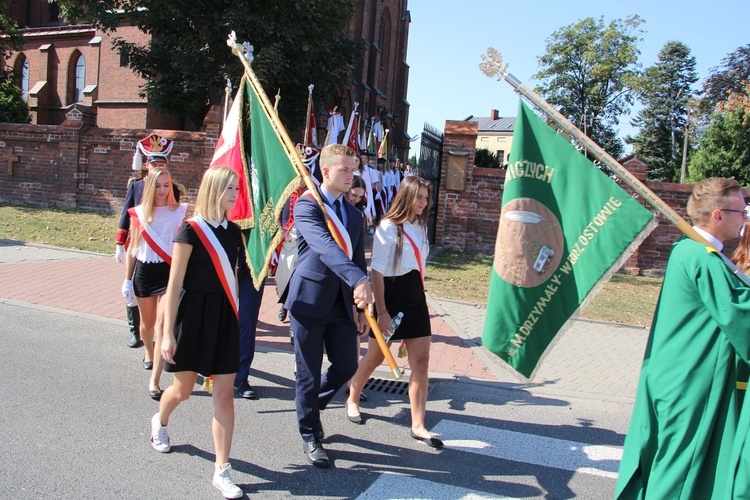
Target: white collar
(710, 237)
(215, 224)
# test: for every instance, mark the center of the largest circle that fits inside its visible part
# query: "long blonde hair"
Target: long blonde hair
(401, 210)
(147, 202)
(214, 184)
(741, 255)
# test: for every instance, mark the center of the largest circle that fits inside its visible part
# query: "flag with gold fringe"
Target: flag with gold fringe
(270, 174)
(565, 227)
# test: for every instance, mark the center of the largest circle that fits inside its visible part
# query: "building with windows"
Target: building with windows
(61, 65)
(495, 133)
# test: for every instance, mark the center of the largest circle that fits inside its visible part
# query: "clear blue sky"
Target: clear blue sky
(447, 39)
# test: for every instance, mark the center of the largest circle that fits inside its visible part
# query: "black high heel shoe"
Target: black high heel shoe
(355, 420)
(148, 365)
(432, 442)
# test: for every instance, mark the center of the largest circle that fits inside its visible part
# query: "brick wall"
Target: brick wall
(468, 220)
(74, 165)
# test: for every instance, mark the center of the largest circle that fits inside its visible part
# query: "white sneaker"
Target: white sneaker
(159, 435)
(224, 483)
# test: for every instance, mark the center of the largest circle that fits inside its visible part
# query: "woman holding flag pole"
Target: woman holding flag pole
(399, 256)
(154, 224)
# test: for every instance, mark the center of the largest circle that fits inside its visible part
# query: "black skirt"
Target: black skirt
(150, 278)
(405, 294)
(207, 335)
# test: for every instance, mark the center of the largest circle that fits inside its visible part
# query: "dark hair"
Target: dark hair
(401, 206)
(359, 182)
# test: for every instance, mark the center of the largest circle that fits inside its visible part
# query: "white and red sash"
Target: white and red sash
(338, 225)
(417, 253)
(219, 257)
(149, 234)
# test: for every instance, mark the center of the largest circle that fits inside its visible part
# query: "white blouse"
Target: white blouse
(384, 248)
(165, 223)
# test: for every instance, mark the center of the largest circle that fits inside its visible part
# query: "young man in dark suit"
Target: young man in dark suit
(327, 283)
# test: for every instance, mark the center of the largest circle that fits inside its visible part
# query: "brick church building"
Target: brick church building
(62, 65)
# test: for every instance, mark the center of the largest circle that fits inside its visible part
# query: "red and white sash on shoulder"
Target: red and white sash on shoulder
(149, 234)
(338, 225)
(417, 253)
(224, 269)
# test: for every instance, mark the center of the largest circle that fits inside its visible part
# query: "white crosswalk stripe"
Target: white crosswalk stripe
(394, 486)
(502, 444)
(529, 448)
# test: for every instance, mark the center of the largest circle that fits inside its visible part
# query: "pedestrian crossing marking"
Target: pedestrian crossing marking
(396, 486)
(530, 448)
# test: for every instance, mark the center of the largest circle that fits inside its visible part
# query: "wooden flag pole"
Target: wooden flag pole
(493, 67)
(240, 51)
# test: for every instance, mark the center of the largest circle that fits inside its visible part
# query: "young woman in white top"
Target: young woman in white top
(399, 255)
(154, 224)
(363, 172)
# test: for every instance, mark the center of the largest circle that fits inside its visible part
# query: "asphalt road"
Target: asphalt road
(75, 424)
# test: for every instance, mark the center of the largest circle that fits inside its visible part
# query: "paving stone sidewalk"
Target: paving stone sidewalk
(590, 360)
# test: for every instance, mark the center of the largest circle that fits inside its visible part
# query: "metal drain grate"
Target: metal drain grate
(387, 386)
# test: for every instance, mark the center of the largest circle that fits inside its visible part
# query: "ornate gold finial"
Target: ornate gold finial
(493, 64)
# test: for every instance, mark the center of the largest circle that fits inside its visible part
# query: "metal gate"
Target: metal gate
(430, 162)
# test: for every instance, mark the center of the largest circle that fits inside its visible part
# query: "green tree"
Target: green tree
(664, 90)
(13, 109)
(731, 76)
(486, 159)
(187, 61)
(588, 72)
(724, 150)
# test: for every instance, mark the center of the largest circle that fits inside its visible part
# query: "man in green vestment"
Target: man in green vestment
(685, 414)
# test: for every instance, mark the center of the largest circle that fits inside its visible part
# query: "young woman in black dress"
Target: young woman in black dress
(201, 330)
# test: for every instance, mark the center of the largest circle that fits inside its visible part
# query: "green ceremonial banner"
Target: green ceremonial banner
(564, 227)
(273, 178)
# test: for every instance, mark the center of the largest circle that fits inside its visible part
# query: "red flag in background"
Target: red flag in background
(352, 130)
(311, 130)
(229, 153)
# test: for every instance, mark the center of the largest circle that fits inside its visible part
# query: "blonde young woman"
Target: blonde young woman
(154, 224)
(399, 255)
(201, 329)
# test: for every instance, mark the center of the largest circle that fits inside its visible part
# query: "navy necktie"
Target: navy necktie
(337, 206)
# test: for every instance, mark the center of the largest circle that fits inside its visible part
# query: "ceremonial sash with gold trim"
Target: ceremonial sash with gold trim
(149, 234)
(219, 257)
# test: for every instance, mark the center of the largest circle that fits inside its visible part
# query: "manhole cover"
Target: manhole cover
(387, 386)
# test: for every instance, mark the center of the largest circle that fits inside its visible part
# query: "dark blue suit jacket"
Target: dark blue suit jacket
(323, 270)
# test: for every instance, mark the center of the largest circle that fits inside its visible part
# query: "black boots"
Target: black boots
(134, 321)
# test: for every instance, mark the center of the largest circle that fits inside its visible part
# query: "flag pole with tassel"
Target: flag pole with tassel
(240, 50)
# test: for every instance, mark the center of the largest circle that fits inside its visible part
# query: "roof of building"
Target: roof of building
(487, 124)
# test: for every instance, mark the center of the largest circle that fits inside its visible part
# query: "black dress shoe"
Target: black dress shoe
(244, 390)
(355, 420)
(315, 454)
(282, 314)
(430, 441)
(148, 365)
(156, 395)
